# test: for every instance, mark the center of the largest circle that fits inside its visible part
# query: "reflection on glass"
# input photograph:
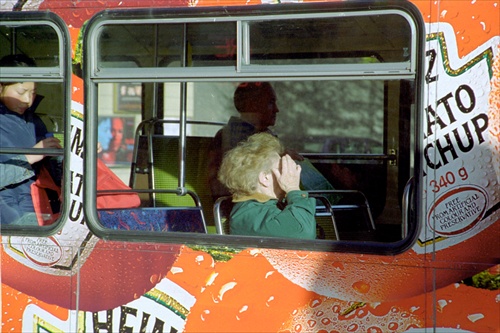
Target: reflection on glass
(39, 42)
(333, 118)
(162, 45)
(338, 40)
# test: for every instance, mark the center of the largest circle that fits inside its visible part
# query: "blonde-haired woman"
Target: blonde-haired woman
(265, 188)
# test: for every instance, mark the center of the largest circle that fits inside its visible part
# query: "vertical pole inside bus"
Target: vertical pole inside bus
(182, 118)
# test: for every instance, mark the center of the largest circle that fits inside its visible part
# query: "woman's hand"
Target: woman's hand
(49, 143)
(45, 143)
(288, 177)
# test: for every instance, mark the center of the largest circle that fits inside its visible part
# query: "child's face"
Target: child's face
(18, 97)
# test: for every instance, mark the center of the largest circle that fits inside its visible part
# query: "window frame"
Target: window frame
(93, 75)
(57, 74)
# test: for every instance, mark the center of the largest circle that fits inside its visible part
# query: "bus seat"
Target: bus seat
(183, 219)
(222, 209)
(164, 169)
(325, 218)
(352, 214)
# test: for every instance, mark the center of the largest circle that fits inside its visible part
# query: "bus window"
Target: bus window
(34, 101)
(209, 45)
(343, 40)
(347, 108)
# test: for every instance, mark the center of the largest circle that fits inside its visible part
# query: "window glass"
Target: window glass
(344, 128)
(351, 130)
(41, 42)
(339, 40)
(168, 45)
(332, 116)
(33, 102)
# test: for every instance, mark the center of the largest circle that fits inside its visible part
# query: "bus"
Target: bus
(395, 103)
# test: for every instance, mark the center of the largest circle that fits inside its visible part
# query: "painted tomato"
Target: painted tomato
(450, 306)
(371, 278)
(244, 294)
(113, 274)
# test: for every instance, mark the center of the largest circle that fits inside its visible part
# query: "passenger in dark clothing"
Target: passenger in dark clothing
(19, 128)
(256, 104)
(257, 108)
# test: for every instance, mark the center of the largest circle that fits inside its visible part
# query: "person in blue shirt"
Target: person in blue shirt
(19, 128)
